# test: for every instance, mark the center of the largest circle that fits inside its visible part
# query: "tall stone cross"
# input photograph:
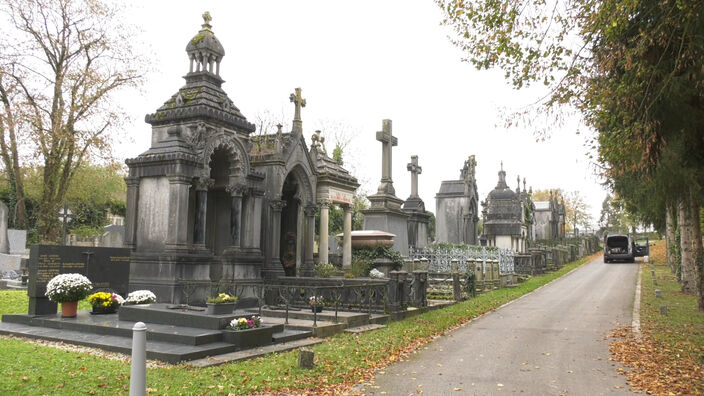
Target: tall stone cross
(387, 142)
(298, 102)
(415, 170)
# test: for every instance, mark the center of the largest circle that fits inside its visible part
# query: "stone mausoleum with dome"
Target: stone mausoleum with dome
(208, 202)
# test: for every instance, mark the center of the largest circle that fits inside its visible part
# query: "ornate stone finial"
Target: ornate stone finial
(524, 184)
(206, 19)
(298, 102)
(518, 180)
(317, 140)
(279, 131)
(530, 191)
(502, 165)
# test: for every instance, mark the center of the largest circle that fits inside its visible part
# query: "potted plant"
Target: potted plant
(316, 303)
(247, 332)
(105, 302)
(68, 289)
(140, 297)
(222, 304)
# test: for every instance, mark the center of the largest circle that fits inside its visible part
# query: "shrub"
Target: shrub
(325, 270)
(221, 298)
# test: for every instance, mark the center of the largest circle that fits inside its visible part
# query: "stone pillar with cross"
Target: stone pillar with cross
(388, 141)
(415, 170)
(298, 102)
(385, 213)
(414, 206)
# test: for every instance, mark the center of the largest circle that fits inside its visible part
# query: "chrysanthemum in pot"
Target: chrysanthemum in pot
(68, 289)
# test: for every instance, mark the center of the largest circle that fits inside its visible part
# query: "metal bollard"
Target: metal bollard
(138, 374)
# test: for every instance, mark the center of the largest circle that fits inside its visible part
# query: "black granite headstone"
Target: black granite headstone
(107, 268)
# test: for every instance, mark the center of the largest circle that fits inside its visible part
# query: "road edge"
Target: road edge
(635, 323)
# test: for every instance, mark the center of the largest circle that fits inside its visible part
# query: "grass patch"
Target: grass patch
(670, 355)
(17, 302)
(682, 330)
(341, 361)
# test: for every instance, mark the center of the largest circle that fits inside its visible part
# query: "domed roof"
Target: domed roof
(502, 191)
(205, 41)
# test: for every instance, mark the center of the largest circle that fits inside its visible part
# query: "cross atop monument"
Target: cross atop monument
(206, 19)
(387, 142)
(298, 102)
(415, 170)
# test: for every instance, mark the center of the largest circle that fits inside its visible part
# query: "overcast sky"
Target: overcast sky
(359, 62)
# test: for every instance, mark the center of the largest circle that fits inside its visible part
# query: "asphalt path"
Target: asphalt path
(550, 342)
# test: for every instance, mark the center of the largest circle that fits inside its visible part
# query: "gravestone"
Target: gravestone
(17, 241)
(414, 206)
(385, 213)
(107, 268)
(113, 236)
(4, 247)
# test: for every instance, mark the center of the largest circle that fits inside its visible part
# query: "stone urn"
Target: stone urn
(369, 239)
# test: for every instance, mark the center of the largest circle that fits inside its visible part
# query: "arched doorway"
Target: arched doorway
(290, 227)
(219, 203)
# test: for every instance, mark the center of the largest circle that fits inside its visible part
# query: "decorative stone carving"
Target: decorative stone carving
(204, 183)
(236, 189)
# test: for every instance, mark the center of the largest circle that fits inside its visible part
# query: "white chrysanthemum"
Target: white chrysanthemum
(140, 297)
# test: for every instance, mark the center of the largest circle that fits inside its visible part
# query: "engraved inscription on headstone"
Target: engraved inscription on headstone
(107, 268)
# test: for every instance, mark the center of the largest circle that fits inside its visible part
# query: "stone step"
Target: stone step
(351, 319)
(156, 350)
(321, 329)
(110, 325)
(288, 335)
(176, 316)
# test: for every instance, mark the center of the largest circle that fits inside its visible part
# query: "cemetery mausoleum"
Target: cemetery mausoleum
(208, 201)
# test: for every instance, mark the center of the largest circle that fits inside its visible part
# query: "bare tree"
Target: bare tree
(61, 62)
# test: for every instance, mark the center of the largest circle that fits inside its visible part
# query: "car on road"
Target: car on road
(624, 247)
(618, 247)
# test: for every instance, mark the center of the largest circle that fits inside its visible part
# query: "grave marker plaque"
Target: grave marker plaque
(107, 268)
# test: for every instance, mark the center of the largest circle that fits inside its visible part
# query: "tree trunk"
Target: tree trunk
(698, 253)
(688, 221)
(670, 225)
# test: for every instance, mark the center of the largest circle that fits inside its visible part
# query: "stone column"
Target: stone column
(131, 215)
(256, 226)
(347, 238)
(177, 234)
(202, 186)
(308, 263)
(236, 191)
(274, 268)
(323, 246)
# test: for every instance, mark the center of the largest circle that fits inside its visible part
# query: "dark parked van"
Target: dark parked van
(624, 247)
(618, 248)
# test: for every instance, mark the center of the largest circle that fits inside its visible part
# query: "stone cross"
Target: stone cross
(207, 18)
(387, 142)
(415, 170)
(298, 102)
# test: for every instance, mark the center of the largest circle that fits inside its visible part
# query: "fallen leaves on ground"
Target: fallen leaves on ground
(652, 369)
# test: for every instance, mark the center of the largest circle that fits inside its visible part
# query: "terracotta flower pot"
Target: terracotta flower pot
(69, 309)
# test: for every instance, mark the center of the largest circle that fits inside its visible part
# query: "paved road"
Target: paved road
(550, 342)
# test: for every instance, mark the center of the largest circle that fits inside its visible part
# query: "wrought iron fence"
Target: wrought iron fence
(440, 258)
